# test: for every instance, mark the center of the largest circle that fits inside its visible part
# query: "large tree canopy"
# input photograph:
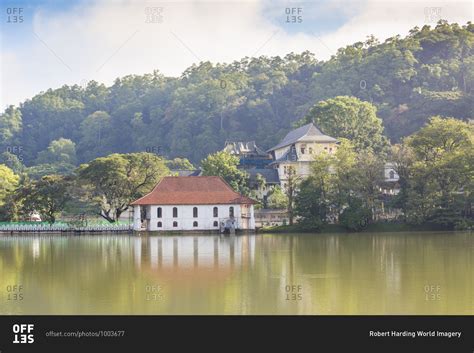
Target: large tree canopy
(113, 182)
(349, 118)
(436, 167)
(48, 196)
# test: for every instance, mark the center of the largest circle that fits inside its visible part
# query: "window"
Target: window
(216, 224)
(215, 212)
(326, 148)
(195, 224)
(310, 150)
(195, 212)
(302, 150)
(175, 212)
(159, 224)
(330, 149)
(231, 211)
(392, 174)
(158, 212)
(175, 224)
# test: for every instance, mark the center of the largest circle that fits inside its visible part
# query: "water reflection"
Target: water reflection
(183, 253)
(424, 273)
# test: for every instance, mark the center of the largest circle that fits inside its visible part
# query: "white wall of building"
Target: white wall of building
(185, 219)
(306, 152)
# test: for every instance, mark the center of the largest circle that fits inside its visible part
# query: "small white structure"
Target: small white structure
(391, 185)
(390, 174)
(35, 217)
(193, 203)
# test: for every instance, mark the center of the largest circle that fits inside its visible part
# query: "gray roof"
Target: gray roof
(270, 175)
(288, 156)
(306, 133)
(243, 148)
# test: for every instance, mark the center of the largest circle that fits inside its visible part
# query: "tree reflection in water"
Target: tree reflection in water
(249, 274)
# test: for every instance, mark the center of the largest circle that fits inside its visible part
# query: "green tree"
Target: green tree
(224, 164)
(113, 182)
(356, 216)
(343, 187)
(12, 161)
(277, 198)
(350, 118)
(343, 167)
(38, 171)
(313, 201)
(402, 158)
(310, 205)
(291, 191)
(59, 151)
(442, 171)
(8, 182)
(47, 196)
(367, 180)
(10, 127)
(179, 164)
(96, 137)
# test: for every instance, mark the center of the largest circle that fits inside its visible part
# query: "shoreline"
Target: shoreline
(384, 227)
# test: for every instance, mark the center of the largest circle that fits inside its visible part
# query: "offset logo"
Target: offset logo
(23, 333)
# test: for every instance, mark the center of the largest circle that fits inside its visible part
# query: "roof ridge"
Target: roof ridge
(298, 134)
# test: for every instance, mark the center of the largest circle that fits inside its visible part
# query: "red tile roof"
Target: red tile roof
(192, 190)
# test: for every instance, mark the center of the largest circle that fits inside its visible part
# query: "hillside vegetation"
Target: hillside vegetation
(430, 72)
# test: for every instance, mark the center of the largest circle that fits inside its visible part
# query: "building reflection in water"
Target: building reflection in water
(182, 254)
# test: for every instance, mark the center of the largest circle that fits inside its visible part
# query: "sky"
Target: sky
(47, 44)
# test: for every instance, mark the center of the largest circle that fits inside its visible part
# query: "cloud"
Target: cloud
(385, 19)
(104, 40)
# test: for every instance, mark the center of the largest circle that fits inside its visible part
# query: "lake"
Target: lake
(327, 274)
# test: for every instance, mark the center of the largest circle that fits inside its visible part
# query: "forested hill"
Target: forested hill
(429, 72)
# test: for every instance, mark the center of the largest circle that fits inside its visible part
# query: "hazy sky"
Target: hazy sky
(72, 42)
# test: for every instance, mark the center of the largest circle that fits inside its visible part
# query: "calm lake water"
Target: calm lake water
(388, 273)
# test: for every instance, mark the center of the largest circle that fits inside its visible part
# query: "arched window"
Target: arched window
(195, 224)
(159, 212)
(392, 174)
(215, 212)
(195, 212)
(175, 212)
(231, 211)
(160, 224)
(175, 224)
(216, 224)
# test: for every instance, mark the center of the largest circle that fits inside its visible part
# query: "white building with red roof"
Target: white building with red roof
(199, 203)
